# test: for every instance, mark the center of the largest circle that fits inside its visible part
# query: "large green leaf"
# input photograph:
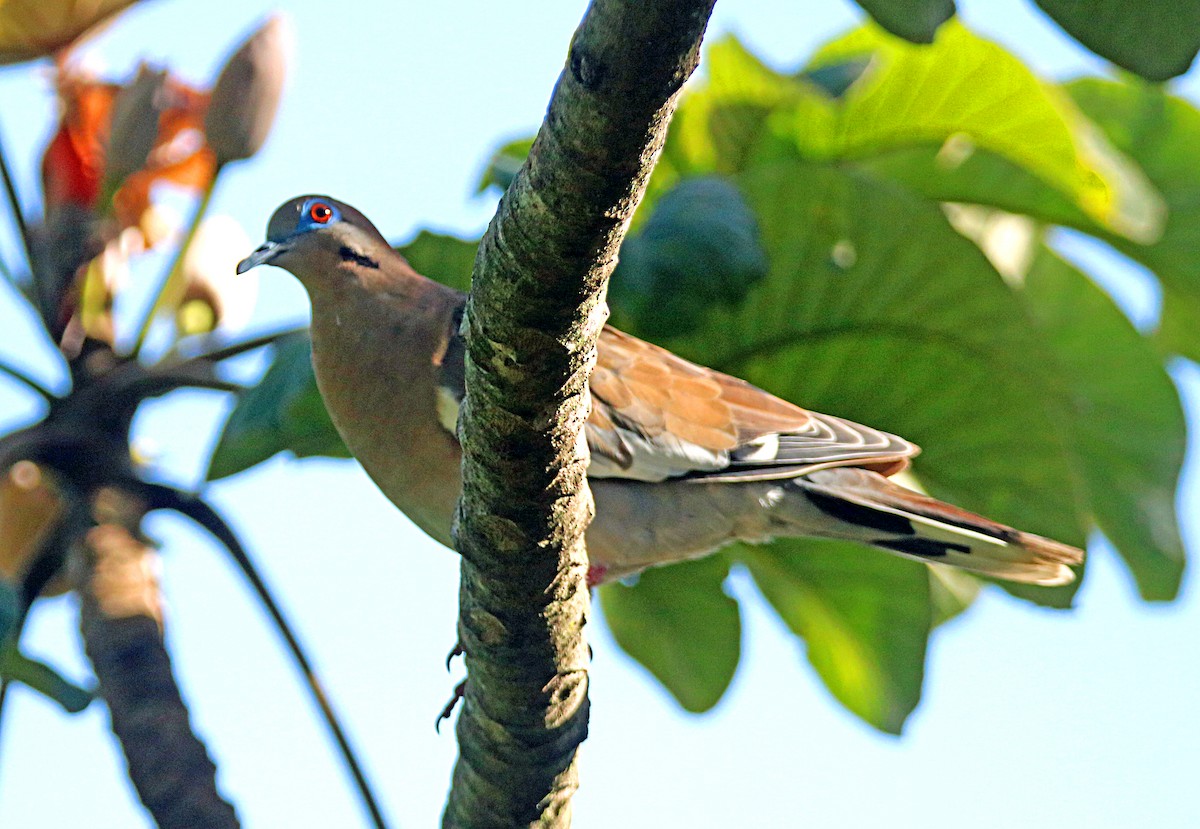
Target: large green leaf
(698, 248)
(1125, 420)
(961, 120)
(864, 617)
(915, 20)
(877, 310)
(965, 94)
(1157, 40)
(679, 623)
(951, 592)
(1125, 426)
(283, 413)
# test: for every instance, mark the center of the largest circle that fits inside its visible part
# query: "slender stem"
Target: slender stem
(14, 203)
(162, 497)
(171, 282)
(235, 349)
(27, 381)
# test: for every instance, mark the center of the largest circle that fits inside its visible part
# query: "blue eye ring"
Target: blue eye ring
(320, 213)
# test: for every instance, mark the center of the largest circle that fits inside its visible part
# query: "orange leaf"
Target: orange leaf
(73, 167)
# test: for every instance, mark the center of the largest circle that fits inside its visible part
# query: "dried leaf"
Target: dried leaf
(32, 29)
(246, 95)
(135, 124)
(29, 507)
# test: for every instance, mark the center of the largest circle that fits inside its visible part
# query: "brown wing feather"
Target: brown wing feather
(656, 415)
(723, 412)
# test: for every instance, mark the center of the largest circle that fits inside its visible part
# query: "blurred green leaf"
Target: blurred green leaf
(917, 114)
(698, 248)
(448, 259)
(721, 120)
(502, 167)
(10, 608)
(1125, 419)
(864, 618)
(680, 624)
(951, 592)
(915, 20)
(835, 79)
(40, 677)
(875, 309)
(284, 412)
(965, 94)
(1179, 330)
(1156, 40)
(1160, 132)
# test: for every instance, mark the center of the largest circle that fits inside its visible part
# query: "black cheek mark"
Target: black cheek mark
(357, 258)
(923, 547)
(862, 516)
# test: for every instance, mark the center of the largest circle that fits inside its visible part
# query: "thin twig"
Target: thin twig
(157, 384)
(164, 497)
(236, 349)
(14, 203)
(27, 381)
(170, 282)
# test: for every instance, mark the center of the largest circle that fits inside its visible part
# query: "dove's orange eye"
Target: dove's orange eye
(320, 212)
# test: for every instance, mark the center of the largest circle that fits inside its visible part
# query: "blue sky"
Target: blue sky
(1030, 717)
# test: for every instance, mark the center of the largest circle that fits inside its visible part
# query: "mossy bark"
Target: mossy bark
(533, 318)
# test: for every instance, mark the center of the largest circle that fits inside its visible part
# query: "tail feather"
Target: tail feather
(916, 526)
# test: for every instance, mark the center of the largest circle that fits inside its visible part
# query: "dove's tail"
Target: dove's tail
(865, 506)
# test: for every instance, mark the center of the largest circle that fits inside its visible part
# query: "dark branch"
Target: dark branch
(163, 497)
(27, 381)
(236, 349)
(14, 204)
(533, 318)
(120, 617)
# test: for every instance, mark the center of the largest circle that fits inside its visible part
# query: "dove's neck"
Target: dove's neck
(376, 344)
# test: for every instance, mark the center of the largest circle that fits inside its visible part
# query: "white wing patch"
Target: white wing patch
(447, 410)
(656, 459)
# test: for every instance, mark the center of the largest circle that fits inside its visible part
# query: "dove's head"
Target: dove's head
(315, 237)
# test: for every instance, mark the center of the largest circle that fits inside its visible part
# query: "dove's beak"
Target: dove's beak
(262, 256)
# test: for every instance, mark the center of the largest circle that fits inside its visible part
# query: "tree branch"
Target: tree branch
(121, 621)
(535, 312)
